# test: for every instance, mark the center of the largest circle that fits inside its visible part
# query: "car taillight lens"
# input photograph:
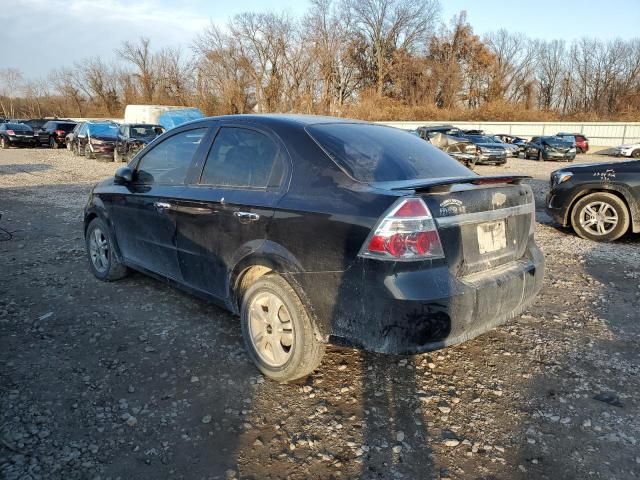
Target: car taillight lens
(407, 233)
(60, 132)
(10, 132)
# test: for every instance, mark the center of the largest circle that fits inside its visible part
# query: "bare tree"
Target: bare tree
(139, 54)
(10, 81)
(385, 26)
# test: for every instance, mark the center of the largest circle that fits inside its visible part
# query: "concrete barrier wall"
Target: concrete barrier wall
(602, 134)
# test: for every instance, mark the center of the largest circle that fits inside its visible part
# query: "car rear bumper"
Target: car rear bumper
(408, 312)
(18, 141)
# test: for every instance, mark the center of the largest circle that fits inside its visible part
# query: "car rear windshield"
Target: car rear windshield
(18, 127)
(376, 153)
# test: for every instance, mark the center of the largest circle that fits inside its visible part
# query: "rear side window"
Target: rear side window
(243, 158)
(168, 162)
(375, 153)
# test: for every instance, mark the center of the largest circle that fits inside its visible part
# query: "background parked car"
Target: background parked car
(132, 138)
(599, 201)
(629, 150)
(68, 139)
(490, 151)
(512, 150)
(579, 140)
(54, 132)
(512, 139)
(17, 134)
(462, 150)
(550, 148)
(96, 140)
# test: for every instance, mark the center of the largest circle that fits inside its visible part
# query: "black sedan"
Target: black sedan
(17, 134)
(54, 132)
(550, 148)
(600, 201)
(133, 137)
(315, 230)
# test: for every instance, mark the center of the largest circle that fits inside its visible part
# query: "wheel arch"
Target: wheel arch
(269, 258)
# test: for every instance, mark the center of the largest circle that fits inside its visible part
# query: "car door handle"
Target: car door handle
(246, 217)
(162, 206)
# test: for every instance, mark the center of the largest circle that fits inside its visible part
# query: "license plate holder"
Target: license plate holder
(492, 236)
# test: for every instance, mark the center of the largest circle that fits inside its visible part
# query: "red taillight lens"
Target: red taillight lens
(60, 132)
(408, 232)
(10, 132)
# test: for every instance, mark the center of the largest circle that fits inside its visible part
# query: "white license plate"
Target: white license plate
(492, 236)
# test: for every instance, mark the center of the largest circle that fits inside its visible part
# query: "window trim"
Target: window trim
(286, 160)
(205, 138)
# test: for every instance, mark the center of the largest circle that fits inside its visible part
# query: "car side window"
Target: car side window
(168, 162)
(242, 157)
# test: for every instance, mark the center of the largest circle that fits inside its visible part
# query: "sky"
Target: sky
(39, 35)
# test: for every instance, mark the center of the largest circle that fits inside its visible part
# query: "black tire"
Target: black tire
(306, 350)
(114, 269)
(540, 156)
(53, 143)
(3, 143)
(614, 202)
(88, 153)
(636, 153)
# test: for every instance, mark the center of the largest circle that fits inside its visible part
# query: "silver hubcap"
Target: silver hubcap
(99, 250)
(271, 329)
(598, 218)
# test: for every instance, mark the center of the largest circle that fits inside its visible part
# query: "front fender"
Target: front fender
(607, 186)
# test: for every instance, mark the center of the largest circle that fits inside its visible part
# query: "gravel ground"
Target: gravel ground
(135, 379)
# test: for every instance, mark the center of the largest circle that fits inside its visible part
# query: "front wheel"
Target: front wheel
(636, 153)
(103, 261)
(600, 216)
(277, 330)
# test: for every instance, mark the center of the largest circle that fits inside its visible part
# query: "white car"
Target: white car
(629, 150)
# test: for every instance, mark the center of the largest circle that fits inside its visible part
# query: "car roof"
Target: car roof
(284, 118)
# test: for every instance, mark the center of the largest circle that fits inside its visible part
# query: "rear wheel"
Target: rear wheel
(277, 330)
(600, 216)
(103, 262)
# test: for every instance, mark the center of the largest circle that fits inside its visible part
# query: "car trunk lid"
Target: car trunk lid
(483, 222)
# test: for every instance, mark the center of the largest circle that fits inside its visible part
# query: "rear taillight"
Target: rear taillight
(60, 132)
(10, 132)
(407, 233)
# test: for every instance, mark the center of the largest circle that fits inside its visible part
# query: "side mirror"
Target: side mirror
(123, 176)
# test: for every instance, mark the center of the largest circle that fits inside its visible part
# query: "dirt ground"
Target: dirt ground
(135, 379)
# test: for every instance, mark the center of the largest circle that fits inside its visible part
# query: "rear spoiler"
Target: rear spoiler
(443, 184)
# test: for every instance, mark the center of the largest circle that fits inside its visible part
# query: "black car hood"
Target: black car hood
(598, 167)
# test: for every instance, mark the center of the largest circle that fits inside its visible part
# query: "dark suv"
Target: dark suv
(579, 140)
(53, 132)
(315, 230)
